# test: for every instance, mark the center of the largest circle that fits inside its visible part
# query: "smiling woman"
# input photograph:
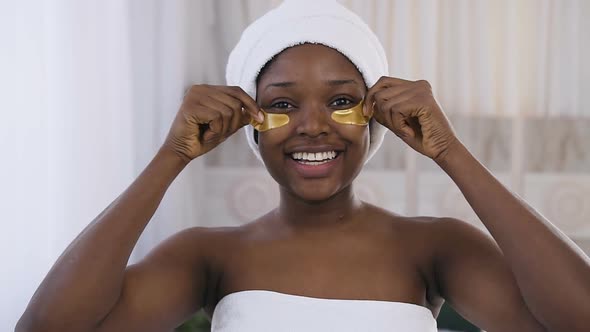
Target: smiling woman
(323, 259)
(319, 81)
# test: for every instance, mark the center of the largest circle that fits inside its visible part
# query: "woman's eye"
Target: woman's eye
(340, 102)
(281, 105)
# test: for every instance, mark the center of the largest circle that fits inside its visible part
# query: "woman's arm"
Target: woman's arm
(552, 273)
(86, 281)
(89, 287)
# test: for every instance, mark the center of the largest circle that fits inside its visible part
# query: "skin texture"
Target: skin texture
(321, 241)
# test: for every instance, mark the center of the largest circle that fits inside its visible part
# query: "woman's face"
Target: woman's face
(308, 82)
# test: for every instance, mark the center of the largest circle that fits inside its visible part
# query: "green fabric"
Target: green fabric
(197, 323)
(449, 319)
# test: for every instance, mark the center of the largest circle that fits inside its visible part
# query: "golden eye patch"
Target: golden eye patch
(271, 121)
(351, 116)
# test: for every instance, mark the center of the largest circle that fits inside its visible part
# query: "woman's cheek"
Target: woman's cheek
(270, 142)
(357, 135)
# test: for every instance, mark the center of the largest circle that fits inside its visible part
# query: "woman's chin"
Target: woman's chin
(314, 194)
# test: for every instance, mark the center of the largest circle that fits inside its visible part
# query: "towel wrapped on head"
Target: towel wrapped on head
(296, 22)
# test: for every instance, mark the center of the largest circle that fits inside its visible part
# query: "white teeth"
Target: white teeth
(316, 157)
(313, 162)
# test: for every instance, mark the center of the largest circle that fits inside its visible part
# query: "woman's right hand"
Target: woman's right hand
(208, 116)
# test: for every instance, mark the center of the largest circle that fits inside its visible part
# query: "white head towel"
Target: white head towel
(295, 22)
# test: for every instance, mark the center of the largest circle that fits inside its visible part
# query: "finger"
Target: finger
(394, 113)
(370, 99)
(400, 126)
(247, 102)
(392, 81)
(228, 100)
(392, 92)
(399, 102)
(239, 117)
(225, 111)
(238, 121)
(414, 128)
(239, 111)
(384, 83)
(210, 136)
(385, 118)
(392, 120)
(211, 122)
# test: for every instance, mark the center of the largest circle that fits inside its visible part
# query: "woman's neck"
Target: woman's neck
(334, 211)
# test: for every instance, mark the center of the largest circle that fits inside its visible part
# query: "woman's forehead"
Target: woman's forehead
(309, 62)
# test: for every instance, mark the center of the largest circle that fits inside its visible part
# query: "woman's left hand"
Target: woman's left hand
(410, 111)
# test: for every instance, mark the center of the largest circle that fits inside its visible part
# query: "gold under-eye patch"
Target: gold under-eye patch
(352, 116)
(271, 121)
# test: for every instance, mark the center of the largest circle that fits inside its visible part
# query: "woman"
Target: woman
(323, 259)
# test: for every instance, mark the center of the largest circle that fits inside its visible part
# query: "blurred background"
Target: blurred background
(88, 90)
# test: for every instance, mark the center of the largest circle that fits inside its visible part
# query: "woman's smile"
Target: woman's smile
(315, 164)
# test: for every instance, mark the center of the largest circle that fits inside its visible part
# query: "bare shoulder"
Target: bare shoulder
(434, 230)
(210, 245)
(458, 234)
(425, 229)
(191, 241)
(442, 230)
(453, 240)
(202, 242)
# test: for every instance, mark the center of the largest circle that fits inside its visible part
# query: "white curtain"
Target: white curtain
(88, 90)
(499, 57)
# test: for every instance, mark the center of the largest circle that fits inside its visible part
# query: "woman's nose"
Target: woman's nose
(313, 121)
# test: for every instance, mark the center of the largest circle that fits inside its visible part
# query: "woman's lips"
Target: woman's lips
(315, 171)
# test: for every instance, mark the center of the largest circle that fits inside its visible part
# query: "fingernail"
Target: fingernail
(260, 117)
(365, 109)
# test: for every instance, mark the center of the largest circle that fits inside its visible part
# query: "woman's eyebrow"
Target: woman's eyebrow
(280, 85)
(340, 82)
(288, 84)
